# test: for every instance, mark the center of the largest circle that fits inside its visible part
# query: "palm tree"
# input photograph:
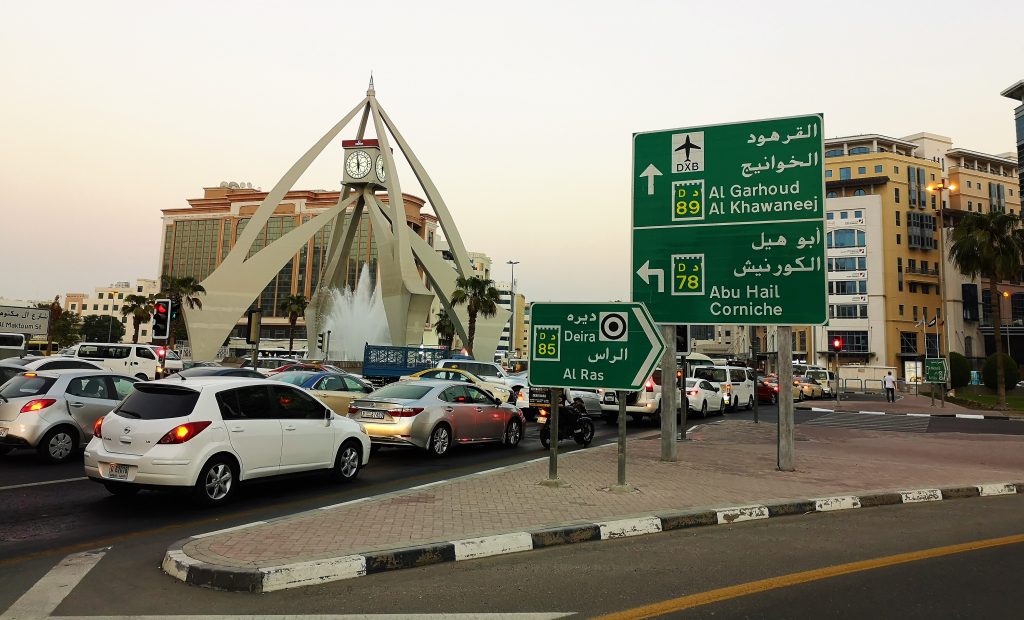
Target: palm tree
(185, 290)
(141, 309)
(480, 297)
(294, 306)
(990, 245)
(444, 328)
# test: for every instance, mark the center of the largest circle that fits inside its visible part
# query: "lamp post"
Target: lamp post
(512, 321)
(937, 189)
(1008, 315)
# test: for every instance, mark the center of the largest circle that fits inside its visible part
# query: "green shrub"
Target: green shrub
(959, 370)
(1009, 367)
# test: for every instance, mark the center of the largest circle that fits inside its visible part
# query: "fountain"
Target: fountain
(355, 318)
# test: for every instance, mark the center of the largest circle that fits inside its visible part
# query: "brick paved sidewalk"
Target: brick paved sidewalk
(728, 463)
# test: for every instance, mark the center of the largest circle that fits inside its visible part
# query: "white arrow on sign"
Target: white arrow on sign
(645, 272)
(650, 173)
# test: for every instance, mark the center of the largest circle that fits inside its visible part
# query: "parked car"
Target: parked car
(53, 411)
(138, 360)
(215, 371)
(497, 390)
(702, 397)
(434, 415)
(210, 434)
(736, 383)
(646, 402)
(336, 389)
(768, 390)
(808, 386)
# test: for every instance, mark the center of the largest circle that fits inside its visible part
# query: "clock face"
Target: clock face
(380, 169)
(358, 164)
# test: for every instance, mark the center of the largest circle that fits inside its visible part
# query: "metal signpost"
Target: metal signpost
(614, 346)
(729, 225)
(936, 372)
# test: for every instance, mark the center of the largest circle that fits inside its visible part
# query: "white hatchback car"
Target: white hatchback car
(210, 434)
(703, 397)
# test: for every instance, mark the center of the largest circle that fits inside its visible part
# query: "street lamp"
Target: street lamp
(1009, 320)
(512, 321)
(938, 188)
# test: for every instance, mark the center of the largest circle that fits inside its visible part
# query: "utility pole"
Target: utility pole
(669, 448)
(786, 438)
(512, 321)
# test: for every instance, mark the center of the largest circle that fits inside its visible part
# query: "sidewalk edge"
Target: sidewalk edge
(179, 565)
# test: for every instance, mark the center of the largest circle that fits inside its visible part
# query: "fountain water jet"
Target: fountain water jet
(355, 318)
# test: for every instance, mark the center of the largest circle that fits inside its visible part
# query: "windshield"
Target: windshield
(406, 390)
(718, 375)
(26, 385)
(821, 375)
(153, 402)
(295, 377)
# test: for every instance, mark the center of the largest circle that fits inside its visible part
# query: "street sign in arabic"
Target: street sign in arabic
(935, 370)
(31, 321)
(729, 223)
(592, 345)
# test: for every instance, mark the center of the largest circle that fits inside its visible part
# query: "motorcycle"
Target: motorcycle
(573, 421)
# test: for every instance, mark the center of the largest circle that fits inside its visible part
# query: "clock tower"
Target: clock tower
(364, 163)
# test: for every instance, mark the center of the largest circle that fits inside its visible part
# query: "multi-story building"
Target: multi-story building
(196, 239)
(107, 301)
(509, 348)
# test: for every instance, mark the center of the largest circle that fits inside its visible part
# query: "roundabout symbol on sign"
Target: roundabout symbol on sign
(614, 326)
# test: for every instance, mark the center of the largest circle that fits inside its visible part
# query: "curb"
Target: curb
(180, 566)
(963, 416)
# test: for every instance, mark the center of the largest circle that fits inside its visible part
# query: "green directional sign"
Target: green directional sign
(729, 223)
(591, 345)
(935, 370)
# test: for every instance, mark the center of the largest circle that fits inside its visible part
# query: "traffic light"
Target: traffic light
(682, 339)
(173, 309)
(252, 332)
(837, 344)
(161, 319)
(320, 341)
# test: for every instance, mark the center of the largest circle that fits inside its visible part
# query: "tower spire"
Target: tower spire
(369, 91)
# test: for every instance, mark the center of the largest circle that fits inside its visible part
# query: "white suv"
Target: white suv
(488, 371)
(735, 382)
(211, 434)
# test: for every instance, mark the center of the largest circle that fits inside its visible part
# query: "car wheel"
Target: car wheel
(704, 409)
(348, 461)
(142, 376)
(440, 441)
(216, 482)
(513, 433)
(750, 403)
(58, 445)
(121, 489)
(721, 407)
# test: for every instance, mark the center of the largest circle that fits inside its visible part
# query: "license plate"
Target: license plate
(542, 420)
(373, 415)
(117, 472)
(3, 431)
(610, 398)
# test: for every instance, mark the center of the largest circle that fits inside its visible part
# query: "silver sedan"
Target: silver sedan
(435, 415)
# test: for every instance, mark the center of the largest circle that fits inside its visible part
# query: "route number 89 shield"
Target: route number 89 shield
(687, 201)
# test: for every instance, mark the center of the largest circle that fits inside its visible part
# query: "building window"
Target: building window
(843, 215)
(859, 150)
(896, 194)
(95, 306)
(968, 184)
(105, 307)
(895, 169)
(848, 287)
(828, 173)
(144, 332)
(933, 176)
(847, 263)
(138, 289)
(831, 195)
(848, 311)
(914, 308)
(862, 170)
(120, 295)
(74, 306)
(853, 341)
(829, 215)
(897, 218)
(970, 205)
(834, 153)
(860, 192)
(858, 214)
(913, 287)
(908, 342)
(844, 174)
(901, 309)
(931, 345)
(845, 238)
(897, 239)
(878, 169)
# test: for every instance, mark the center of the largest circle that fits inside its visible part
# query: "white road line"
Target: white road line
(229, 529)
(47, 593)
(39, 484)
(528, 616)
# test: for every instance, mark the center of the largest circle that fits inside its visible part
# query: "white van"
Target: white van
(145, 361)
(736, 383)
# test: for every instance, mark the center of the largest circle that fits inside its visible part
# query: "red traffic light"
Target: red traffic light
(160, 308)
(161, 352)
(837, 344)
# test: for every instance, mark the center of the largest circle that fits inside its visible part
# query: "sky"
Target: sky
(522, 113)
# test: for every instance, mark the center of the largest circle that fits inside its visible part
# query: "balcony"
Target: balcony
(922, 271)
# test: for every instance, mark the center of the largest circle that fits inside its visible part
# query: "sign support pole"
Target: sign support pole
(556, 404)
(621, 487)
(669, 449)
(786, 438)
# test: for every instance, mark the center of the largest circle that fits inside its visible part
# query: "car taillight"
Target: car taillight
(650, 385)
(694, 392)
(776, 388)
(97, 428)
(405, 412)
(37, 405)
(183, 432)
(353, 409)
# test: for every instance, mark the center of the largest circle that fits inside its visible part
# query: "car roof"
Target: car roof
(74, 372)
(202, 383)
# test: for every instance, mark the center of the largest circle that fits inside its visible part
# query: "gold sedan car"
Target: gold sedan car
(336, 389)
(809, 387)
(496, 390)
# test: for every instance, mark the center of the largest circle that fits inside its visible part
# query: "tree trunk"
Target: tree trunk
(471, 333)
(136, 323)
(997, 324)
(292, 320)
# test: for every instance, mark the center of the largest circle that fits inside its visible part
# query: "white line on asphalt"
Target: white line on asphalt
(970, 416)
(873, 412)
(39, 484)
(528, 616)
(47, 593)
(229, 529)
(919, 415)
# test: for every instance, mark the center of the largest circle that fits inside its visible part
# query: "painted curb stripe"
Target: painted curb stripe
(501, 544)
(985, 490)
(314, 572)
(629, 527)
(742, 513)
(828, 504)
(921, 495)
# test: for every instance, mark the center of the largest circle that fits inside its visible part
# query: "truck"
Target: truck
(384, 364)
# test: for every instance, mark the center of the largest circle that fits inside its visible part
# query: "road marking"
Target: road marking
(229, 529)
(47, 593)
(792, 579)
(39, 484)
(970, 416)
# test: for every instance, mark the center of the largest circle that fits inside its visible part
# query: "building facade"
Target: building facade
(195, 239)
(108, 300)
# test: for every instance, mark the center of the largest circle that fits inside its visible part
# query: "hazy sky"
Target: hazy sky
(522, 112)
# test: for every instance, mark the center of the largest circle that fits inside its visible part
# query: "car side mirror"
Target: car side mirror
(497, 401)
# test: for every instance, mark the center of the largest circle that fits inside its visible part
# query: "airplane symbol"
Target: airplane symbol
(687, 145)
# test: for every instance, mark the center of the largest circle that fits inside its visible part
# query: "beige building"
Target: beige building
(107, 301)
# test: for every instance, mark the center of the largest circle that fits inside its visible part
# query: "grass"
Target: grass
(980, 397)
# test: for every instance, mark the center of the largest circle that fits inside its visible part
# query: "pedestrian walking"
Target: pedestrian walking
(890, 387)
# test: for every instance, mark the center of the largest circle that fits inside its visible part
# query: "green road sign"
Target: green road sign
(610, 345)
(935, 370)
(729, 223)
